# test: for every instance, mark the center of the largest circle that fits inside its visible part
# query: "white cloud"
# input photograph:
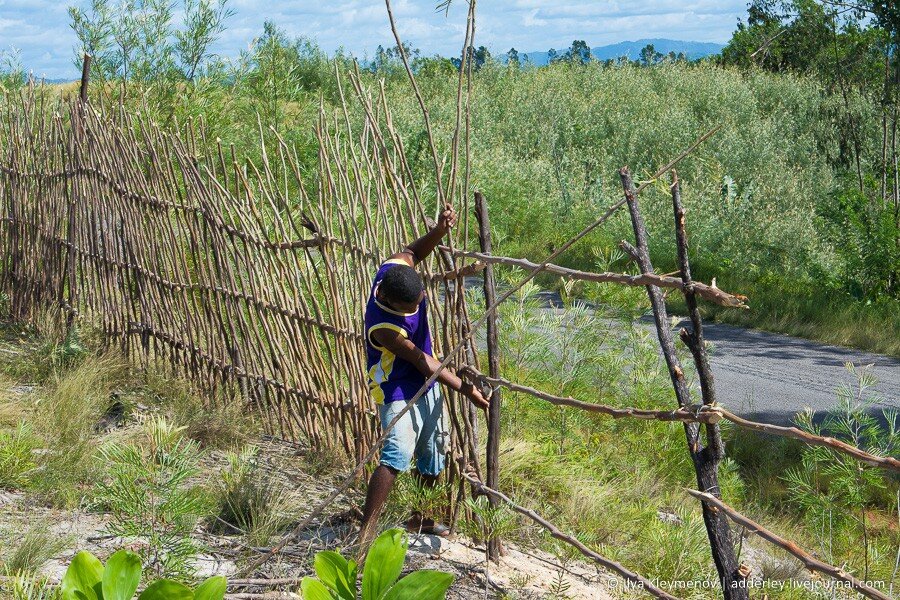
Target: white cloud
(39, 28)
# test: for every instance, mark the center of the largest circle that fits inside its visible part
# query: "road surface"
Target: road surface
(771, 377)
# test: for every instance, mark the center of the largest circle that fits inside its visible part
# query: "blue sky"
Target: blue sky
(40, 28)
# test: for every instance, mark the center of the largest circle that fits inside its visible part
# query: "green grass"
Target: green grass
(17, 461)
(38, 545)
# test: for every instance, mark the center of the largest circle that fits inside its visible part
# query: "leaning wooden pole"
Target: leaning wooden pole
(640, 583)
(494, 549)
(808, 560)
(705, 458)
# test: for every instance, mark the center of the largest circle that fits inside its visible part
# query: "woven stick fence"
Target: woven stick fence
(250, 279)
(235, 274)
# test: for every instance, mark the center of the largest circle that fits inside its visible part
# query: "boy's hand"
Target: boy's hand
(474, 394)
(447, 219)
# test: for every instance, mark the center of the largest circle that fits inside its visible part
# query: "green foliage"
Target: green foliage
(833, 492)
(12, 74)
(864, 235)
(337, 576)
(29, 586)
(87, 579)
(412, 494)
(16, 456)
(256, 505)
(140, 42)
(38, 545)
(148, 496)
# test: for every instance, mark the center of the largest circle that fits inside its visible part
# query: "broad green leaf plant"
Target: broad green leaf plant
(337, 575)
(88, 579)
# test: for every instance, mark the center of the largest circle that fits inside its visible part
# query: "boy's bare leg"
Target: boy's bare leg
(380, 485)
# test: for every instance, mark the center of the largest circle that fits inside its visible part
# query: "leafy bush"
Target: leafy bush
(149, 498)
(337, 575)
(87, 579)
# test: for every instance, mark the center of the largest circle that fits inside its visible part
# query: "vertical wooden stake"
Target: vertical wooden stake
(85, 78)
(72, 196)
(705, 461)
(493, 349)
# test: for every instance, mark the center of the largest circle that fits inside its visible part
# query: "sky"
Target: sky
(39, 29)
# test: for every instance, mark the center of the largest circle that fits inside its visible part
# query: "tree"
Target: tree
(552, 56)
(649, 55)
(854, 50)
(204, 23)
(139, 40)
(512, 58)
(479, 57)
(578, 53)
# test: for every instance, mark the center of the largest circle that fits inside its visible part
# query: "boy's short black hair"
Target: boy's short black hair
(401, 283)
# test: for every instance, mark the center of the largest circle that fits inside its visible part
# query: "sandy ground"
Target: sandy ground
(521, 574)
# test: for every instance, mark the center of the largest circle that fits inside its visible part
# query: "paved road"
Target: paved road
(772, 377)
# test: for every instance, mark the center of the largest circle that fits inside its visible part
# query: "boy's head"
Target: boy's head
(401, 289)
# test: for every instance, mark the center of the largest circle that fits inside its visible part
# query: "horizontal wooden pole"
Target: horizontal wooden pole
(707, 292)
(703, 414)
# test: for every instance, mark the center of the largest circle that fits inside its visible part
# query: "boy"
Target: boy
(399, 361)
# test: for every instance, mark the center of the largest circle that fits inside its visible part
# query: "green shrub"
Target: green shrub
(149, 497)
(835, 494)
(337, 575)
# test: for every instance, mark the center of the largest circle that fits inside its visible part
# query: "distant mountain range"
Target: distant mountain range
(631, 50)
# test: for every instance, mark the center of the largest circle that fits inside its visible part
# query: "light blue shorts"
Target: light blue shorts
(420, 433)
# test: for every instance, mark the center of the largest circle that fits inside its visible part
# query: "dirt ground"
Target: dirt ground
(521, 573)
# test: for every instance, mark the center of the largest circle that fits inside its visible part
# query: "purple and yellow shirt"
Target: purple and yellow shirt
(392, 378)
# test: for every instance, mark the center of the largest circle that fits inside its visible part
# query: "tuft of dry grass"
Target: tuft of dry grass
(252, 502)
(214, 423)
(70, 415)
(37, 546)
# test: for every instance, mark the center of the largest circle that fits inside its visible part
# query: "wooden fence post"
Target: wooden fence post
(85, 78)
(494, 548)
(71, 196)
(705, 458)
